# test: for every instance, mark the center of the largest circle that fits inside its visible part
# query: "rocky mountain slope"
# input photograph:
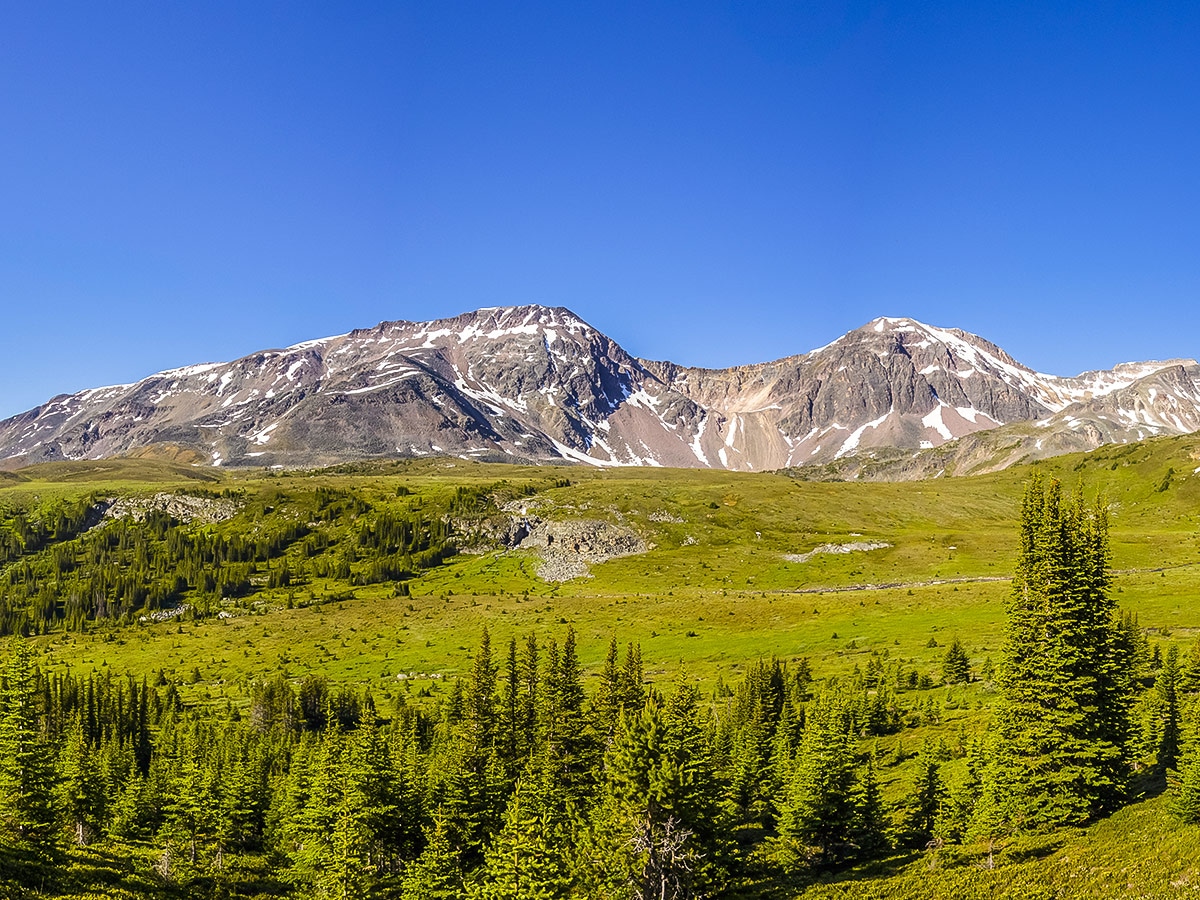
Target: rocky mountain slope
(539, 384)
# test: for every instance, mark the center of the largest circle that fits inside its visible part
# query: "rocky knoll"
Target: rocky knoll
(568, 548)
(183, 507)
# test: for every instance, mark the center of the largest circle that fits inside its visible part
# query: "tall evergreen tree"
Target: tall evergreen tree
(510, 744)
(26, 774)
(639, 845)
(80, 790)
(1189, 674)
(928, 798)
(1063, 723)
(817, 819)
(959, 808)
(870, 830)
(318, 861)
(436, 873)
(1166, 687)
(527, 860)
(607, 703)
(1185, 802)
(531, 678)
(956, 665)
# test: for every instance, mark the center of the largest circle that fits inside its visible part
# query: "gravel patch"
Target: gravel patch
(852, 547)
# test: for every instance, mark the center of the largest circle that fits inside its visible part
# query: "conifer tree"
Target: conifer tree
(188, 820)
(510, 743)
(472, 774)
(1189, 675)
(315, 857)
(751, 756)
(569, 739)
(526, 861)
(1063, 721)
(1185, 803)
(481, 698)
(1166, 686)
(927, 800)
(132, 811)
(869, 835)
(531, 678)
(817, 818)
(80, 790)
(364, 818)
(608, 700)
(633, 691)
(696, 798)
(956, 665)
(435, 874)
(639, 845)
(26, 775)
(959, 808)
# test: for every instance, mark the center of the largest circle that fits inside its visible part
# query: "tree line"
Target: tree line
(67, 569)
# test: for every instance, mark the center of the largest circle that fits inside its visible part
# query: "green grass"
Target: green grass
(713, 595)
(1139, 853)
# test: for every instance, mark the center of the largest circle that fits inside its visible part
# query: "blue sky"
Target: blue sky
(713, 183)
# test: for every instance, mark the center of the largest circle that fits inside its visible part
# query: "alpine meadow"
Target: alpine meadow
(442, 678)
(599, 451)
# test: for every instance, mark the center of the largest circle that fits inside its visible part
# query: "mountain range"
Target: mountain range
(894, 398)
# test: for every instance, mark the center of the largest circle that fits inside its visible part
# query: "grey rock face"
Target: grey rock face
(539, 384)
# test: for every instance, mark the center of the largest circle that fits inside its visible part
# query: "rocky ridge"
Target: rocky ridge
(538, 384)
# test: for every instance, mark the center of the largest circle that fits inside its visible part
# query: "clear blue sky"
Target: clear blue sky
(712, 183)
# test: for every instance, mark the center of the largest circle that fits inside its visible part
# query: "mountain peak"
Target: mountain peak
(537, 383)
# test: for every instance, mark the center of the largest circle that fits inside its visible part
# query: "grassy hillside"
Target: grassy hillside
(714, 593)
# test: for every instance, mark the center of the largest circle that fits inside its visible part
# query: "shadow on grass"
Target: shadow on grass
(126, 871)
(1146, 786)
(773, 885)
(26, 870)
(1030, 850)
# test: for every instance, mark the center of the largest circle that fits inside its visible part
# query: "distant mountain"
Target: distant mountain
(539, 384)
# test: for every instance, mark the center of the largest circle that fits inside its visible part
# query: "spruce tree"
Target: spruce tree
(26, 775)
(1063, 722)
(959, 808)
(80, 790)
(313, 829)
(527, 858)
(1166, 688)
(956, 665)
(531, 675)
(639, 844)
(510, 744)
(869, 835)
(608, 700)
(927, 799)
(436, 873)
(1185, 803)
(632, 678)
(817, 819)
(1189, 675)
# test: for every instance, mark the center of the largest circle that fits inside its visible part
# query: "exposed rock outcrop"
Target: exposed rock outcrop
(568, 548)
(184, 507)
